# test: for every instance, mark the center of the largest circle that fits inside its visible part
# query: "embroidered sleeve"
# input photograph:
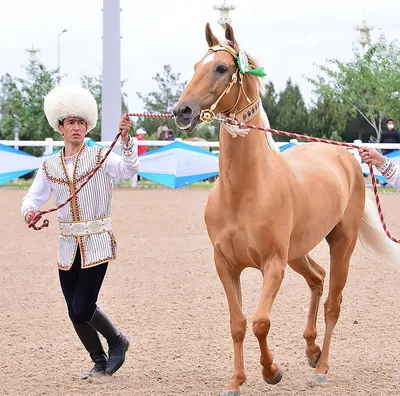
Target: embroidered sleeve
(126, 165)
(387, 169)
(129, 148)
(37, 195)
(390, 172)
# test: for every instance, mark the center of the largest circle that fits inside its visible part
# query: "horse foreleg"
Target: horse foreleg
(273, 276)
(314, 275)
(230, 279)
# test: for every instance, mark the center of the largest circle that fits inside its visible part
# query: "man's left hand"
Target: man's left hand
(124, 126)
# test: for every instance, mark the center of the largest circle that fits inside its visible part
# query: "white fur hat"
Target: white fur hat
(62, 102)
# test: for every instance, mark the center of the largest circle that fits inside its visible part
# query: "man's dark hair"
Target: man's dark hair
(61, 122)
(389, 120)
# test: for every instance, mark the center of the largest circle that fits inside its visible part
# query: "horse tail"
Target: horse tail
(372, 235)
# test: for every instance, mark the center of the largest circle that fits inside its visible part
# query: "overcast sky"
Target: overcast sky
(286, 36)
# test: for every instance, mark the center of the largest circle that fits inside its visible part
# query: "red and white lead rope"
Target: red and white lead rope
(232, 122)
(315, 139)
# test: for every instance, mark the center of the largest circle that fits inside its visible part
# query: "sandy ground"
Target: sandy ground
(164, 293)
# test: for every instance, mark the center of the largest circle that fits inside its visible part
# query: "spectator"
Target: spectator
(390, 135)
(171, 135)
(139, 135)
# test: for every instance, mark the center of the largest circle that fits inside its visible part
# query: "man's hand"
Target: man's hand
(30, 215)
(124, 126)
(371, 156)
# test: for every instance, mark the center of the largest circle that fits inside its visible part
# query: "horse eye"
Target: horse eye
(221, 69)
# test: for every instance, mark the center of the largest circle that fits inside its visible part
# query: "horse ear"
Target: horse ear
(211, 39)
(230, 36)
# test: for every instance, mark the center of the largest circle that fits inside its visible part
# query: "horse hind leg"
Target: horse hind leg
(314, 275)
(342, 241)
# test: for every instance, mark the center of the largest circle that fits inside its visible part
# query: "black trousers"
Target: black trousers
(81, 288)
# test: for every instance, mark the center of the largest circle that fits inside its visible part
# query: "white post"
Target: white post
(134, 181)
(17, 126)
(48, 149)
(111, 85)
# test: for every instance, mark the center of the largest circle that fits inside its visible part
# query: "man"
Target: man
(170, 135)
(390, 135)
(139, 136)
(86, 242)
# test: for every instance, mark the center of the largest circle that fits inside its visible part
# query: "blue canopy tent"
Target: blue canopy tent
(16, 163)
(178, 164)
(174, 165)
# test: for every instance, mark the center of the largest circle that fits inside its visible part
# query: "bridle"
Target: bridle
(207, 115)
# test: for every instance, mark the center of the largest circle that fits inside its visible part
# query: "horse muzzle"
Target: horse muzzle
(186, 116)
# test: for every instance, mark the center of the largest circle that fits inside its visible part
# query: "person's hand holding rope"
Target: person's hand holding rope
(31, 215)
(124, 126)
(371, 156)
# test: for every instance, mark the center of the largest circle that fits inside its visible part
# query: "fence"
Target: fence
(50, 145)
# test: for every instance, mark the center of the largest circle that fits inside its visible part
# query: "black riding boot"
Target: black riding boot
(118, 344)
(91, 341)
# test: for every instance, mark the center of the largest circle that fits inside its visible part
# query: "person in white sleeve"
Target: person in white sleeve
(86, 242)
(386, 167)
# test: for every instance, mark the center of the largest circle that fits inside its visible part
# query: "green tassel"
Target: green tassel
(259, 72)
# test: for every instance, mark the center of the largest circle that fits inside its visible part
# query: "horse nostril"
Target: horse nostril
(186, 111)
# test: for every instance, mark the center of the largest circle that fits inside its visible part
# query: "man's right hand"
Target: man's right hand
(30, 215)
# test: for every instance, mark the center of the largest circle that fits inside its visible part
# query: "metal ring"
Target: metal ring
(207, 116)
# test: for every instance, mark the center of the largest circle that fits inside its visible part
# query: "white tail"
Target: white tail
(372, 235)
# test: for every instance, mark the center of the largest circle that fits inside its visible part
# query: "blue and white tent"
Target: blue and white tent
(174, 165)
(178, 164)
(16, 163)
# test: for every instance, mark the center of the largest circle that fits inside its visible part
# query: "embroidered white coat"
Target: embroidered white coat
(91, 203)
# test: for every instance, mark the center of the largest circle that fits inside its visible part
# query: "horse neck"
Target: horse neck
(242, 160)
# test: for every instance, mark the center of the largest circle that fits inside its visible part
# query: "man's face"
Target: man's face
(390, 125)
(73, 129)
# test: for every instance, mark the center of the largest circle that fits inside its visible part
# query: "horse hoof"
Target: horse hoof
(320, 379)
(276, 379)
(230, 393)
(313, 361)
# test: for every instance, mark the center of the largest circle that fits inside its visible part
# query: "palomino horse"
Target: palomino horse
(261, 212)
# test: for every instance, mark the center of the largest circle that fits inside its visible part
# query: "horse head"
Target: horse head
(224, 82)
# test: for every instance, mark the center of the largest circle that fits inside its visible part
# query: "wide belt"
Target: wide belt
(83, 228)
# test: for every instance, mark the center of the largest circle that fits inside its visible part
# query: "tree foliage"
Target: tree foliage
(94, 85)
(368, 85)
(162, 100)
(292, 115)
(327, 118)
(21, 105)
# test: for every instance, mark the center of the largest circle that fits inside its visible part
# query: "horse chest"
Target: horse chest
(241, 247)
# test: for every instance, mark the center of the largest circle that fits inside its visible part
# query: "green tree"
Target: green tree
(94, 85)
(269, 101)
(292, 112)
(163, 100)
(21, 104)
(325, 117)
(368, 85)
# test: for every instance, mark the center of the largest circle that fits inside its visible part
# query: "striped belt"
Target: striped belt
(82, 228)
